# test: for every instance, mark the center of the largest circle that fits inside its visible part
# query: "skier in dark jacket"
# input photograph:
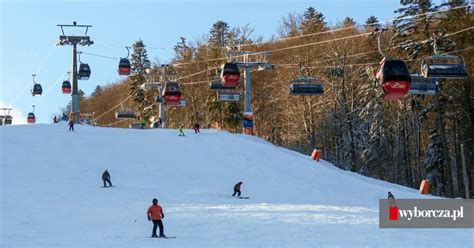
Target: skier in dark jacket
(390, 196)
(391, 200)
(237, 189)
(106, 178)
(71, 122)
(196, 127)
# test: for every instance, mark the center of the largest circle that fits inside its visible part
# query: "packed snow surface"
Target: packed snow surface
(52, 194)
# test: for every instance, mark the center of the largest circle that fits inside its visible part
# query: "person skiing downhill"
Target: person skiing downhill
(71, 121)
(181, 132)
(106, 178)
(237, 189)
(196, 127)
(143, 122)
(155, 214)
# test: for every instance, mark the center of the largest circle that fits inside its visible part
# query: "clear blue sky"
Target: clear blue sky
(29, 31)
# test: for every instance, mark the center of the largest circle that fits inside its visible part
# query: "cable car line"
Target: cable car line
(114, 123)
(202, 82)
(321, 32)
(40, 68)
(101, 56)
(322, 42)
(364, 25)
(54, 84)
(131, 94)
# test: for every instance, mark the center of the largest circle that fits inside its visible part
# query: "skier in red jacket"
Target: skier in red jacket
(155, 214)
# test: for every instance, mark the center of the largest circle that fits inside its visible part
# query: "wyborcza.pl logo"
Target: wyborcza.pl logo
(426, 213)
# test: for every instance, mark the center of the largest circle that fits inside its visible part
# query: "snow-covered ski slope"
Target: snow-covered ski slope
(52, 195)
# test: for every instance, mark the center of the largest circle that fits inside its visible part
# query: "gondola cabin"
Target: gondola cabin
(443, 67)
(307, 86)
(84, 72)
(422, 86)
(219, 86)
(125, 115)
(31, 118)
(230, 74)
(394, 78)
(171, 93)
(66, 87)
(124, 67)
(306, 89)
(6, 120)
(37, 90)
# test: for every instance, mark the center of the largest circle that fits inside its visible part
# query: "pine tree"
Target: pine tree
(412, 34)
(459, 92)
(182, 51)
(375, 134)
(219, 34)
(140, 60)
(96, 91)
(434, 161)
(372, 23)
(348, 22)
(313, 21)
(139, 63)
(232, 118)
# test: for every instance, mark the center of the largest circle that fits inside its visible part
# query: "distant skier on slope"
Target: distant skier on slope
(391, 200)
(71, 121)
(106, 178)
(181, 132)
(196, 127)
(155, 214)
(143, 122)
(390, 196)
(237, 189)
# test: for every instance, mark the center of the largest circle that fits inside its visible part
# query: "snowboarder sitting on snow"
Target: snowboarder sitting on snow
(237, 189)
(106, 178)
(181, 132)
(155, 214)
(196, 127)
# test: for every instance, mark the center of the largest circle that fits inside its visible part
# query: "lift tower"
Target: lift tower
(260, 63)
(74, 40)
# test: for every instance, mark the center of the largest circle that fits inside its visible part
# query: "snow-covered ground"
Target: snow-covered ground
(51, 194)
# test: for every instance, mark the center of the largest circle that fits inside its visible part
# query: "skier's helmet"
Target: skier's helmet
(155, 200)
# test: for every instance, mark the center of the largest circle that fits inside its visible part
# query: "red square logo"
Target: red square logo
(393, 213)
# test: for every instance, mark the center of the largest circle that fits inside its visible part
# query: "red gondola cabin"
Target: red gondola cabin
(230, 74)
(66, 87)
(171, 93)
(394, 78)
(124, 67)
(31, 118)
